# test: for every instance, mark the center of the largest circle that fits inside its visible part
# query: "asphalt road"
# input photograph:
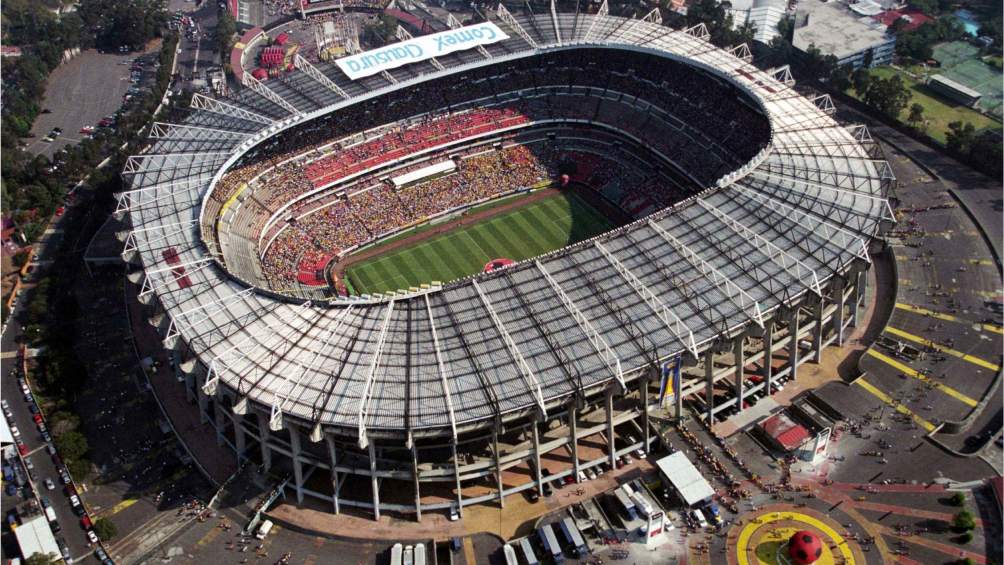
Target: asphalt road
(199, 54)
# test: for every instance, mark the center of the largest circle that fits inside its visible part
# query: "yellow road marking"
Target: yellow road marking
(120, 507)
(928, 426)
(923, 378)
(937, 347)
(947, 317)
(747, 532)
(212, 534)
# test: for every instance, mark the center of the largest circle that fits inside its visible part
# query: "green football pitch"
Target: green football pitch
(539, 227)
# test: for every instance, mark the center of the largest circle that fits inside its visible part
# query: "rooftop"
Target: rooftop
(835, 30)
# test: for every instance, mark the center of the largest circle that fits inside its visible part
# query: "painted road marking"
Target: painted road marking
(948, 317)
(928, 426)
(944, 349)
(212, 534)
(923, 378)
(119, 507)
(747, 532)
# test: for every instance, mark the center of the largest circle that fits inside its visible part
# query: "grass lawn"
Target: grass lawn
(526, 232)
(938, 112)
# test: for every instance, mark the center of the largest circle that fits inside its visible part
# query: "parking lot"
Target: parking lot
(81, 93)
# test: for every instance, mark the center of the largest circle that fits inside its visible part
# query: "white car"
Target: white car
(590, 474)
(15, 432)
(92, 537)
(454, 513)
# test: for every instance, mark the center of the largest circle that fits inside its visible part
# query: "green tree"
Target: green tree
(965, 538)
(959, 136)
(840, 78)
(43, 559)
(226, 29)
(105, 529)
(929, 7)
(916, 119)
(861, 79)
(887, 95)
(963, 521)
(72, 445)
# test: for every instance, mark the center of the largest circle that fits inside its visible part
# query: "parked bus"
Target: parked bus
(264, 529)
(626, 503)
(396, 554)
(550, 543)
(510, 555)
(571, 533)
(420, 554)
(528, 554)
(644, 508)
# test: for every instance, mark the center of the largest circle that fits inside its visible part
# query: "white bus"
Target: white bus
(420, 554)
(644, 508)
(571, 533)
(626, 503)
(264, 529)
(528, 554)
(396, 554)
(510, 555)
(550, 543)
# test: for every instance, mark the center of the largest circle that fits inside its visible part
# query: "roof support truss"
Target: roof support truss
(162, 130)
(517, 355)
(364, 397)
(135, 163)
(268, 94)
(827, 231)
(600, 14)
(150, 284)
(200, 102)
(135, 199)
(668, 317)
(192, 317)
(600, 344)
(504, 15)
(700, 31)
(174, 229)
(795, 267)
(883, 202)
(734, 292)
(442, 367)
(742, 52)
(554, 21)
(312, 72)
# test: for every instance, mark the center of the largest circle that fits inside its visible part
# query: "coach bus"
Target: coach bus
(528, 554)
(510, 555)
(626, 503)
(550, 543)
(571, 533)
(419, 554)
(396, 554)
(644, 508)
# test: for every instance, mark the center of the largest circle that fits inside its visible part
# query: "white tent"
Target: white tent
(692, 487)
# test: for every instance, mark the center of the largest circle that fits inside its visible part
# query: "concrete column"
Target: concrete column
(456, 477)
(644, 416)
(817, 335)
(838, 316)
(220, 423)
(240, 438)
(498, 465)
(768, 354)
(679, 397)
(295, 448)
(203, 404)
(859, 295)
(793, 342)
(418, 492)
(374, 482)
(709, 391)
(574, 427)
(190, 387)
(536, 457)
(611, 442)
(740, 360)
(265, 434)
(333, 462)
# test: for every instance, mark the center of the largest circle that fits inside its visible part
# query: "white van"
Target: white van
(264, 529)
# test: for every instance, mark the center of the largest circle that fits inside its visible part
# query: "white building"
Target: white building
(835, 30)
(763, 14)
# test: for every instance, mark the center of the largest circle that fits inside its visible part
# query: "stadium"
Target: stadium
(716, 234)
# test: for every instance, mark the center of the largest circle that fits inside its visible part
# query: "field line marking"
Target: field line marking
(906, 370)
(942, 348)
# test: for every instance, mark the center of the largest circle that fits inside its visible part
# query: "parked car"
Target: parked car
(49, 485)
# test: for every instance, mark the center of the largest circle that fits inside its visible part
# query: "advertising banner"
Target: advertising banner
(418, 49)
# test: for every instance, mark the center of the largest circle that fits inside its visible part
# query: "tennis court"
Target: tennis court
(960, 62)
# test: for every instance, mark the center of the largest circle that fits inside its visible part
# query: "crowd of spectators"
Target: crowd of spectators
(699, 122)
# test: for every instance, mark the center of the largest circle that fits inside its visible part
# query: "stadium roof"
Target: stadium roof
(685, 478)
(776, 231)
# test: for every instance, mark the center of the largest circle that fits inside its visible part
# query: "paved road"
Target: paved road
(200, 54)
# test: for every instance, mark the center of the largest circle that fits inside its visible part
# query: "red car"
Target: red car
(37, 418)
(60, 210)
(86, 522)
(22, 449)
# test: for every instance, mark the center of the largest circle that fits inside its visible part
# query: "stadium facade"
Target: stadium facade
(437, 392)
